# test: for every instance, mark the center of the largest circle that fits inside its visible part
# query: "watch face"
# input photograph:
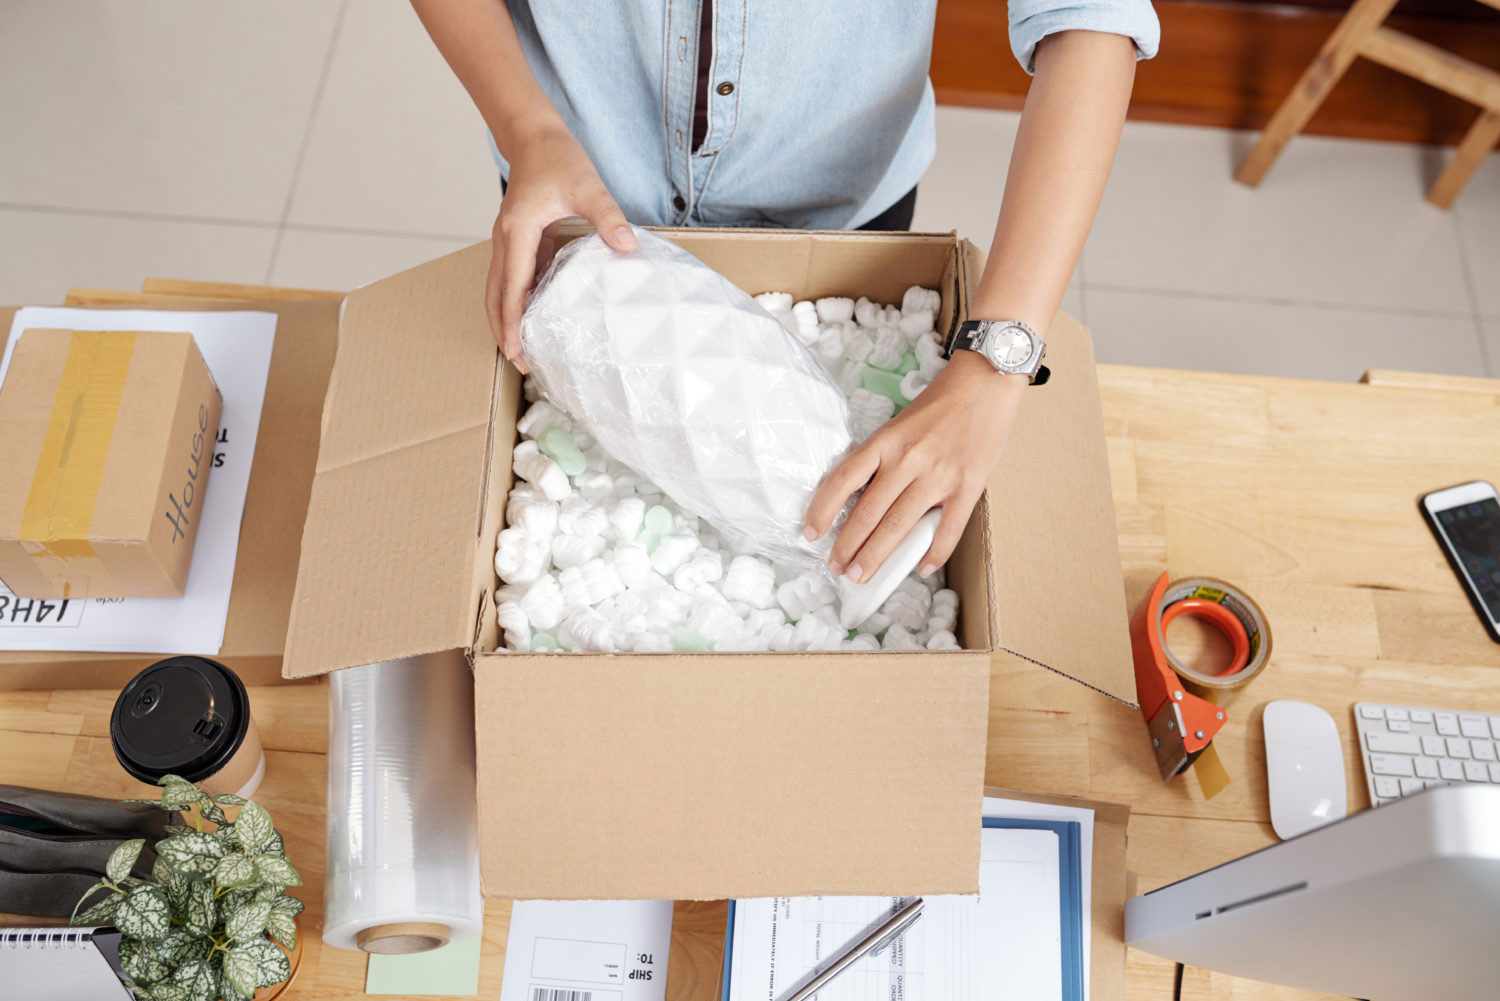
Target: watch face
(1008, 347)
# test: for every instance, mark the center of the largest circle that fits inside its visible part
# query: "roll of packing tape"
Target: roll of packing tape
(403, 851)
(1185, 707)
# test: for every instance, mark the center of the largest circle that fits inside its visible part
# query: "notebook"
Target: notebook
(61, 964)
(1022, 936)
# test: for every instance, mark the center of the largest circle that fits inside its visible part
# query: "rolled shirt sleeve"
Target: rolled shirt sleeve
(1033, 20)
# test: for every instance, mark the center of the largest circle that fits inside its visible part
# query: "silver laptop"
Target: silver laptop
(1395, 903)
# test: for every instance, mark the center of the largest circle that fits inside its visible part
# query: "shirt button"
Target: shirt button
(725, 89)
(679, 203)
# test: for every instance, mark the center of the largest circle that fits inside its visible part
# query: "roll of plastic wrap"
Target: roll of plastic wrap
(403, 850)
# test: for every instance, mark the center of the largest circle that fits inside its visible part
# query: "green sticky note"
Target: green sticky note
(450, 971)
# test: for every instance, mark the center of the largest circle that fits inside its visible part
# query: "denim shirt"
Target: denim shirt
(820, 115)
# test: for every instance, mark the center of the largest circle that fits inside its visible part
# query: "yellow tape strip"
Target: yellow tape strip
(75, 447)
(1212, 776)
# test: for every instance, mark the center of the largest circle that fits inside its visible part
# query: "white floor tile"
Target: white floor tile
(1477, 212)
(1336, 221)
(962, 189)
(397, 143)
(1257, 338)
(1491, 329)
(46, 253)
(344, 261)
(176, 106)
(1073, 304)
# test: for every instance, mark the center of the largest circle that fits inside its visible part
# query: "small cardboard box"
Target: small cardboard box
(110, 438)
(698, 776)
(275, 506)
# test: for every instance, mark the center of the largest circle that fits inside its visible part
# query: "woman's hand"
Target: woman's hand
(551, 178)
(939, 451)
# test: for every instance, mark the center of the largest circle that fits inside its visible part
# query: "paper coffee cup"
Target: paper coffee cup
(188, 716)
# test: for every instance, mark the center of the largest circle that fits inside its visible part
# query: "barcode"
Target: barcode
(560, 994)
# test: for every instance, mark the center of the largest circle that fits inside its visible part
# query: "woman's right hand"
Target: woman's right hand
(551, 178)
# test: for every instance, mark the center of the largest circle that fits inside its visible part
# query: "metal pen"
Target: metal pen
(890, 930)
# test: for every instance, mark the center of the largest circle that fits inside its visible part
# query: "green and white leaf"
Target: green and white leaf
(177, 792)
(141, 964)
(248, 922)
(253, 828)
(212, 813)
(197, 979)
(276, 869)
(234, 870)
(164, 991)
(122, 859)
(275, 846)
(235, 899)
(259, 961)
(270, 891)
(145, 914)
(201, 913)
(229, 799)
(291, 905)
(283, 928)
(227, 990)
(180, 945)
(192, 854)
(102, 913)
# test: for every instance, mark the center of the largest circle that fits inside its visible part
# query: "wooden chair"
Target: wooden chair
(1363, 33)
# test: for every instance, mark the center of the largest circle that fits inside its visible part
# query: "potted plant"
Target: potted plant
(214, 921)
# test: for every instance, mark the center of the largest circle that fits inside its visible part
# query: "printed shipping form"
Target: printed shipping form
(236, 346)
(587, 950)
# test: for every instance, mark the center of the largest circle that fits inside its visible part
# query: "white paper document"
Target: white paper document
(1020, 809)
(1003, 943)
(587, 950)
(237, 349)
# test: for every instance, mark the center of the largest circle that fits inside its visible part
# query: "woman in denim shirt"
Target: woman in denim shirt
(804, 115)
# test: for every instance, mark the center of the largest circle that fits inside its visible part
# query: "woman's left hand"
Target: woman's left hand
(939, 451)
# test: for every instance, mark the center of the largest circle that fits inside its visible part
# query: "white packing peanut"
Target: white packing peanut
(942, 639)
(772, 302)
(541, 472)
(781, 638)
(541, 600)
(519, 558)
(898, 637)
(847, 377)
(632, 562)
(760, 620)
(914, 325)
(626, 517)
(672, 551)
(595, 486)
(750, 580)
(877, 623)
(929, 355)
(806, 317)
(912, 384)
(918, 299)
(575, 550)
(538, 518)
(542, 417)
(517, 627)
(867, 313)
(862, 641)
(804, 593)
(705, 567)
(815, 633)
(647, 641)
(831, 344)
(835, 309)
(530, 390)
(579, 516)
(909, 605)
(890, 345)
(586, 629)
(867, 411)
(858, 345)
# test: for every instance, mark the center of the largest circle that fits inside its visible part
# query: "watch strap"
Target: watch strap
(966, 338)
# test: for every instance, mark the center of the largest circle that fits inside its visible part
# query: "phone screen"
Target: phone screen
(1473, 530)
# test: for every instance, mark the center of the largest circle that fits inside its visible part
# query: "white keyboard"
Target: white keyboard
(1406, 749)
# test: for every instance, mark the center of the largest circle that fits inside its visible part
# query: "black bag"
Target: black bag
(54, 846)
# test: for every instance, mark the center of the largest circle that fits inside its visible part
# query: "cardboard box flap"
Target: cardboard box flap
(390, 548)
(1072, 574)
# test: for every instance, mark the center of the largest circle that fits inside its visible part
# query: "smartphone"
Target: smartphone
(1466, 521)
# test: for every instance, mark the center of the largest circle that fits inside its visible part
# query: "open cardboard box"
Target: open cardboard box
(697, 776)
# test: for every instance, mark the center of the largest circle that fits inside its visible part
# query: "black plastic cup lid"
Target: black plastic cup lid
(182, 716)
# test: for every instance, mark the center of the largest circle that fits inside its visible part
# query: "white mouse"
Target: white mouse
(1304, 768)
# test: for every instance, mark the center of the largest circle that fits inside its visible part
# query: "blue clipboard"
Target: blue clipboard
(1070, 903)
(1070, 894)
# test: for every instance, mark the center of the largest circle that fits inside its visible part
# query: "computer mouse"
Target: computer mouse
(1304, 767)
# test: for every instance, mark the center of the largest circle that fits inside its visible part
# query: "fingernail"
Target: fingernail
(857, 572)
(835, 568)
(809, 533)
(927, 570)
(625, 236)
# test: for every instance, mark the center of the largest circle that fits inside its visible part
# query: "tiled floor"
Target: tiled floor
(324, 143)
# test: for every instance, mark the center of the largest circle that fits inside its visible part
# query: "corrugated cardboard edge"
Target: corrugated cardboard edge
(1107, 952)
(1085, 570)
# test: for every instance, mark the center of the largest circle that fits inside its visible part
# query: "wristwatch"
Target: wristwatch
(1009, 345)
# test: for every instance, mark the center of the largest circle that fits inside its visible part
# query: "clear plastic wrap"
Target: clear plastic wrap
(686, 379)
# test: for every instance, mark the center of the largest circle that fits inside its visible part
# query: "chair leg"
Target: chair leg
(1313, 86)
(1482, 137)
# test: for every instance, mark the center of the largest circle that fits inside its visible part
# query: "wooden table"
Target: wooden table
(1304, 493)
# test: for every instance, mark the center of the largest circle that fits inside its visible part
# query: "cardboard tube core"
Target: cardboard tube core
(403, 938)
